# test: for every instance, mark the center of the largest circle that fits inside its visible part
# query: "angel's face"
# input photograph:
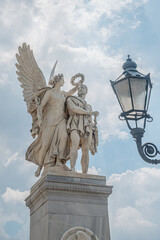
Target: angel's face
(61, 82)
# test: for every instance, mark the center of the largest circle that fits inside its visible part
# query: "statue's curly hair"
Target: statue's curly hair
(56, 79)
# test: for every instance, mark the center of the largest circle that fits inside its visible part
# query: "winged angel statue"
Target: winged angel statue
(46, 104)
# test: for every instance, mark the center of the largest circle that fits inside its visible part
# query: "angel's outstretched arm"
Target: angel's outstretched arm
(71, 92)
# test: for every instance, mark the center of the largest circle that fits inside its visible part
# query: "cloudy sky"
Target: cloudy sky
(94, 38)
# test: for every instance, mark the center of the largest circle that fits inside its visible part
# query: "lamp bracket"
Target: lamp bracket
(148, 150)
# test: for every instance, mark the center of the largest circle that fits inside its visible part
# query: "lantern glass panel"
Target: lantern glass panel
(138, 88)
(148, 95)
(123, 93)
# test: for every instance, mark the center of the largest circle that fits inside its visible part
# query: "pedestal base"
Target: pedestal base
(66, 205)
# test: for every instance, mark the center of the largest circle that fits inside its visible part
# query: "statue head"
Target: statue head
(57, 78)
(82, 91)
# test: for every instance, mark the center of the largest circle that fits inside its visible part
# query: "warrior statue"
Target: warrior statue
(83, 132)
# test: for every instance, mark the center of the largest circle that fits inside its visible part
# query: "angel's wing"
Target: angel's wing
(32, 81)
(29, 74)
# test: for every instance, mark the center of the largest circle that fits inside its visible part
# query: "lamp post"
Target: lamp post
(133, 90)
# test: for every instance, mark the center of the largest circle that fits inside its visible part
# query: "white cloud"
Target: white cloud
(5, 151)
(131, 218)
(92, 170)
(110, 125)
(9, 215)
(4, 79)
(14, 196)
(13, 158)
(136, 24)
(7, 57)
(134, 202)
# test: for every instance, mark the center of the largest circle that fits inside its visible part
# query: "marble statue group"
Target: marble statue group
(62, 123)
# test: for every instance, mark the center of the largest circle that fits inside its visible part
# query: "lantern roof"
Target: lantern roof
(129, 64)
(130, 70)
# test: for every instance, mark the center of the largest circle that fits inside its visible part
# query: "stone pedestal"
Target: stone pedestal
(66, 205)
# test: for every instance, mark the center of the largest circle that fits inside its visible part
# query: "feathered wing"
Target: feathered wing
(29, 74)
(32, 81)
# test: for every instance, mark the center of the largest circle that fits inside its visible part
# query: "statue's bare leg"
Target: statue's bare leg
(75, 139)
(85, 154)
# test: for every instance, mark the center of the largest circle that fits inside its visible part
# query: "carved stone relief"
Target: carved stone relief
(79, 233)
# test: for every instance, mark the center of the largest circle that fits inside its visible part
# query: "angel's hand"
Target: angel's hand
(78, 85)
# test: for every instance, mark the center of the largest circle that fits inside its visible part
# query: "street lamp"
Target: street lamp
(133, 90)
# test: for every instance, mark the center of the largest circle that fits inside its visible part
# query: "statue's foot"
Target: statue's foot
(37, 173)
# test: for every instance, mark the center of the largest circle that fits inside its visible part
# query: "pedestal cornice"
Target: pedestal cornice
(72, 182)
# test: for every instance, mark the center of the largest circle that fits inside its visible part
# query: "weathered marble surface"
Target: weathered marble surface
(59, 202)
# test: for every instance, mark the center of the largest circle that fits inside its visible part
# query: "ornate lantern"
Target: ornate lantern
(133, 90)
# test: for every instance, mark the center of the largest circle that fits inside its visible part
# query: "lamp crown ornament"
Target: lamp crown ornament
(129, 64)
